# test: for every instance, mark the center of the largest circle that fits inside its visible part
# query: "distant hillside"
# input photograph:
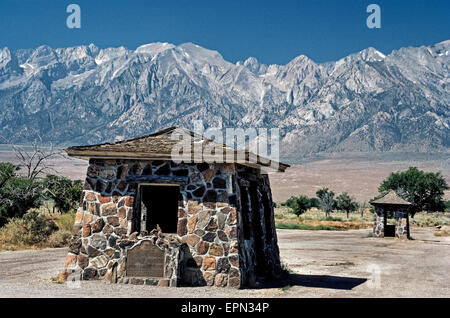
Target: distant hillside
(364, 102)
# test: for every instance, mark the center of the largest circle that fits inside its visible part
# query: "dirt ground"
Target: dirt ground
(322, 264)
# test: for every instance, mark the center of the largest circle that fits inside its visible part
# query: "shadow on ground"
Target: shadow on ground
(317, 281)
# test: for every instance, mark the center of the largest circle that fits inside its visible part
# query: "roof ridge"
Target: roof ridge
(391, 197)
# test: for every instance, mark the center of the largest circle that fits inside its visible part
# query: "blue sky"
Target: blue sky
(272, 31)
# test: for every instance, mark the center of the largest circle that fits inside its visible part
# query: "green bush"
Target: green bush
(17, 196)
(63, 191)
(346, 203)
(299, 205)
(20, 194)
(424, 190)
(7, 171)
(314, 203)
(292, 201)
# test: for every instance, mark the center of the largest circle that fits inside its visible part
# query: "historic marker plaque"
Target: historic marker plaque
(145, 260)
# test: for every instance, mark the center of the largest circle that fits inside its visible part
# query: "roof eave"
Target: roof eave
(385, 203)
(87, 155)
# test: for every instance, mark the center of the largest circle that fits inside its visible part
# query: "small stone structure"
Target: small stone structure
(145, 219)
(391, 204)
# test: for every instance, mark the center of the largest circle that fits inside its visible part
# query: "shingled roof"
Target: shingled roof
(391, 198)
(159, 145)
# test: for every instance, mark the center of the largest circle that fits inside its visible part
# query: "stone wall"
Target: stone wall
(259, 251)
(174, 257)
(378, 226)
(401, 221)
(207, 228)
(401, 224)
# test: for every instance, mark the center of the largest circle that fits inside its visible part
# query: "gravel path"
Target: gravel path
(324, 264)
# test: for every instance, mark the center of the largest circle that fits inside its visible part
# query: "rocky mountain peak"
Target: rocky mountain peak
(366, 101)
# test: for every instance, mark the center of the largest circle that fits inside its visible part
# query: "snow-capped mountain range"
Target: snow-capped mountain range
(366, 101)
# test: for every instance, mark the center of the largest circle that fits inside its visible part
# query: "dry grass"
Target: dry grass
(309, 227)
(39, 228)
(439, 233)
(59, 279)
(443, 230)
(424, 219)
(314, 219)
(65, 221)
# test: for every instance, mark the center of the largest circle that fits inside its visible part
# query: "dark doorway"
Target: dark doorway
(160, 207)
(389, 230)
(389, 224)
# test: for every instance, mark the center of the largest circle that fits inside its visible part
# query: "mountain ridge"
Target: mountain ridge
(366, 101)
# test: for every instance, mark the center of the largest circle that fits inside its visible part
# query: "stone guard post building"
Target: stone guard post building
(393, 204)
(145, 219)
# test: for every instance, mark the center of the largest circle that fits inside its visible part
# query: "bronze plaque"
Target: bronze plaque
(145, 260)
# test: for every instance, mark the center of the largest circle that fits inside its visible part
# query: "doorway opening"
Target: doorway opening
(389, 224)
(159, 207)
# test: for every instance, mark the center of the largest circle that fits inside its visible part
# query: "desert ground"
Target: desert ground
(321, 264)
(358, 175)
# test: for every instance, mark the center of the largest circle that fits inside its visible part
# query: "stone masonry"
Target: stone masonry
(391, 205)
(401, 221)
(401, 224)
(225, 233)
(378, 227)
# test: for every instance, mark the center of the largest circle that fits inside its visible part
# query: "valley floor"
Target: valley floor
(322, 264)
(358, 175)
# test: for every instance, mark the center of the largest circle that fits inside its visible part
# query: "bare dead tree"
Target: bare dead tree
(328, 203)
(35, 161)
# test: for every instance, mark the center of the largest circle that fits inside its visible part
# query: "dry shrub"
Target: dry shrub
(59, 238)
(65, 221)
(37, 228)
(62, 237)
(424, 219)
(32, 229)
